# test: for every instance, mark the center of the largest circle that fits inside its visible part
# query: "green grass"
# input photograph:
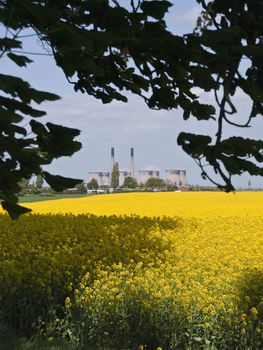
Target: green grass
(23, 344)
(48, 197)
(9, 340)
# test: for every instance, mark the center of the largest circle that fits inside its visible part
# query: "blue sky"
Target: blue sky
(153, 134)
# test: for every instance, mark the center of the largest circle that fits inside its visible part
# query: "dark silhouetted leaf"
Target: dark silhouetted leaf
(60, 183)
(155, 8)
(20, 60)
(14, 210)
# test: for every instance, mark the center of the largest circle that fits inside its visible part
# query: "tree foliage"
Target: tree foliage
(93, 184)
(108, 48)
(130, 182)
(81, 187)
(229, 34)
(23, 184)
(39, 182)
(115, 175)
(154, 183)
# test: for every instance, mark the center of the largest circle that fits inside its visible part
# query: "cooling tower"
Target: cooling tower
(144, 175)
(102, 177)
(123, 175)
(172, 177)
(183, 177)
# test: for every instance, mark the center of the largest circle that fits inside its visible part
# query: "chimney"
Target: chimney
(112, 158)
(132, 162)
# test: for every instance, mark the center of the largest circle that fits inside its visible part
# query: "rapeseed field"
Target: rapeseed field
(137, 271)
(191, 204)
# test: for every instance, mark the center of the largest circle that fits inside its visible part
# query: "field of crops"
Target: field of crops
(192, 204)
(137, 271)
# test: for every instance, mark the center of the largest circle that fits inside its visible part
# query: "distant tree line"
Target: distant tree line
(131, 183)
(36, 186)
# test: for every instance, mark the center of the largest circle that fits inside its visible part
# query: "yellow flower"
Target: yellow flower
(254, 312)
(67, 303)
(191, 260)
(243, 331)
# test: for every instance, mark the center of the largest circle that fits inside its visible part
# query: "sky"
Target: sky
(152, 134)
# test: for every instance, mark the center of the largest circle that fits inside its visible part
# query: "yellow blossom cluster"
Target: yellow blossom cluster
(43, 257)
(209, 273)
(186, 273)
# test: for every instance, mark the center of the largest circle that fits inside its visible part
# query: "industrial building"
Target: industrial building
(175, 177)
(144, 175)
(172, 177)
(123, 175)
(102, 177)
(132, 163)
(112, 158)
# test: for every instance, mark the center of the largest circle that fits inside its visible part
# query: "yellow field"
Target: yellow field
(189, 281)
(192, 204)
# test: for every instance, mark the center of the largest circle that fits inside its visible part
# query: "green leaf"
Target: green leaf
(163, 98)
(14, 210)
(202, 111)
(241, 147)
(12, 104)
(203, 78)
(252, 88)
(10, 117)
(237, 166)
(90, 67)
(194, 145)
(155, 8)
(60, 183)
(17, 87)
(16, 129)
(186, 114)
(62, 131)
(58, 141)
(7, 44)
(20, 60)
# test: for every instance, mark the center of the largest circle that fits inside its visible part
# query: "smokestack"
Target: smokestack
(112, 157)
(132, 162)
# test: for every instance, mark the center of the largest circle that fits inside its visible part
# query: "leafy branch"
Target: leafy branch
(107, 50)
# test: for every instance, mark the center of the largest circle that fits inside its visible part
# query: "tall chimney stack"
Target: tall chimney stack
(132, 162)
(112, 158)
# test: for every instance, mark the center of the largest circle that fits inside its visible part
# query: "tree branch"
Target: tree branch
(135, 8)
(32, 53)
(116, 3)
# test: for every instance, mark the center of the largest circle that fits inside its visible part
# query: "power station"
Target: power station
(144, 175)
(103, 178)
(172, 177)
(132, 163)
(175, 177)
